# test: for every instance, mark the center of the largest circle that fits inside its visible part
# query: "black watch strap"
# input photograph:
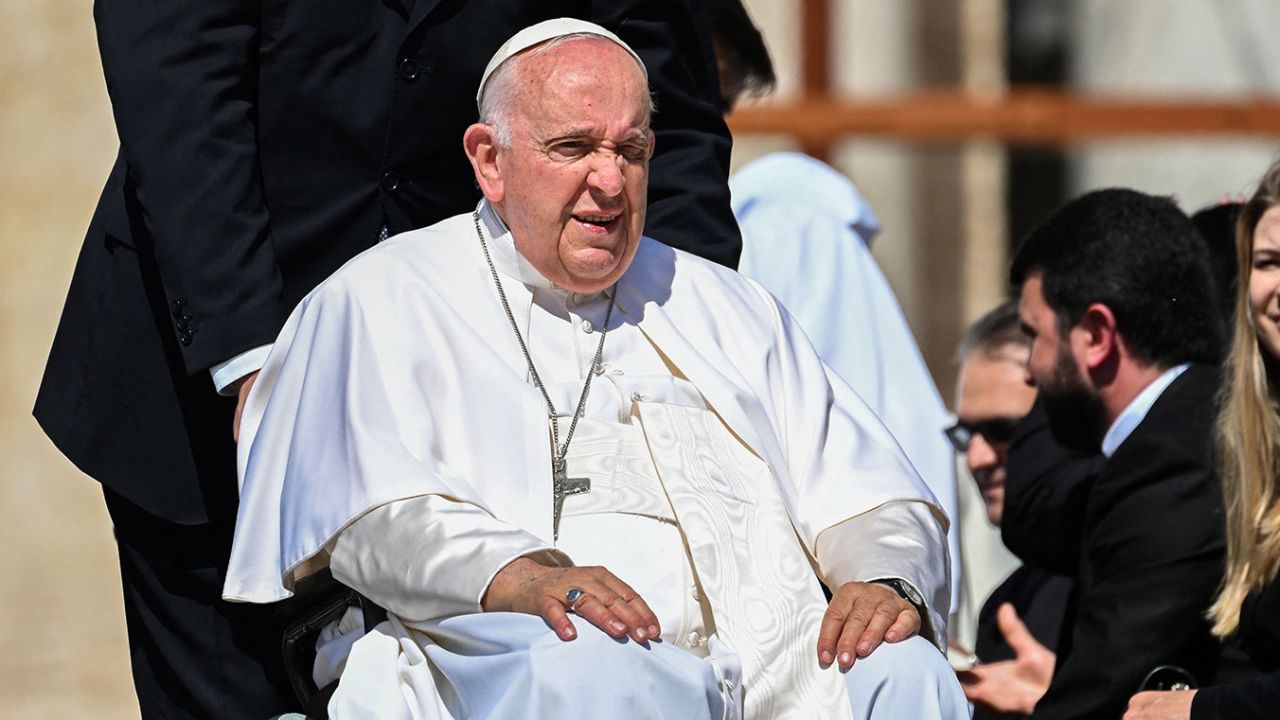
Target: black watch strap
(905, 591)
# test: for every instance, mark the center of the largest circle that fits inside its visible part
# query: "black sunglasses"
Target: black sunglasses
(997, 431)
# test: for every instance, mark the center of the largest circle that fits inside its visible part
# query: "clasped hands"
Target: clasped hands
(859, 618)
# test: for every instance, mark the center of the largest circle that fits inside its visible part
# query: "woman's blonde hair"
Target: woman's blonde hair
(1248, 435)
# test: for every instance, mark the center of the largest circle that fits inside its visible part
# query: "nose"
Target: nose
(980, 455)
(606, 174)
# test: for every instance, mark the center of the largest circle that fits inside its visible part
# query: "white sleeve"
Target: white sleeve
(886, 542)
(430, 557)
(226, 373)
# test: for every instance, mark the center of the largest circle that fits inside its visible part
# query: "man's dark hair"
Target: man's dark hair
(743, 59)
(994, 333)
(1141, 257)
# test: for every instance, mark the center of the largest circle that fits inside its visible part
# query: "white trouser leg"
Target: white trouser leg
(507, 666)
(909, 680)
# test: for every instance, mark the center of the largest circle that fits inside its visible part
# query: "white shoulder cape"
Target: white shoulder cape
(399, 377)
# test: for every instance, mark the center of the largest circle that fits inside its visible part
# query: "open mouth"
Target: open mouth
(600, 223)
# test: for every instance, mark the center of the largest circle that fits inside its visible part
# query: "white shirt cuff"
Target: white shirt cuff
(225, 374)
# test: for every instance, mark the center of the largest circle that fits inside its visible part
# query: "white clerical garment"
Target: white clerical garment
(806, 237)
(395, 433)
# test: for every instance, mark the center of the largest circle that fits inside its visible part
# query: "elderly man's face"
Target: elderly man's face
(992, 392)
(573, 185)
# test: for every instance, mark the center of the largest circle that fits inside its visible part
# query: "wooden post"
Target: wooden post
(815, 40)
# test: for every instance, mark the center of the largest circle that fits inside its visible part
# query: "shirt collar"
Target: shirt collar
(1137, 409)
(502, 247)
(512, 263)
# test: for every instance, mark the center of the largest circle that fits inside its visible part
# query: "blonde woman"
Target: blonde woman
(1248, 604)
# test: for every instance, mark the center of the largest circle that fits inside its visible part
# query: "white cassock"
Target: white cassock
(395, 435)
(806, 237)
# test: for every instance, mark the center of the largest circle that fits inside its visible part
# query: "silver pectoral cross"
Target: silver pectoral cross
(563, 486)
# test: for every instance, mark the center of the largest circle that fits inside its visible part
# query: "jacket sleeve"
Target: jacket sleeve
(1253, 699)
(1154, 559)
(183, 80)
(689, 176)
(1046, 489)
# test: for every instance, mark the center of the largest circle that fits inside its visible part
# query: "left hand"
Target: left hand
(859, 618)
(1012, 686)
(1161, 705)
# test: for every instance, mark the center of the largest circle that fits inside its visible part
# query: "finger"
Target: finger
(907, 625)
(645, 625)
(974, 684)
(599, 614)
(553, 613)
(855, 624)
(621, 608)
(833, 621)
(882, 618)
(1015, 631)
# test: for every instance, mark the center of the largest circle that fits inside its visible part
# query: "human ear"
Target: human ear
(480, 142)
(1099, 337)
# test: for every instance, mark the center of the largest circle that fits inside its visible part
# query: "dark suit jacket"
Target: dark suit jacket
(1151, 560)
(1040, 597)
(1259, 633)
(1046, 492)
(262, 144)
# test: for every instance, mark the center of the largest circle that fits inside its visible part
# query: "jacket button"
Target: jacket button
(408, 70)
(390, 181)
(182, 323)
(185, 339)
(178, 306)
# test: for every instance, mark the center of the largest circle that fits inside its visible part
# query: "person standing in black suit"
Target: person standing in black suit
(1117, 297)
(262, 144)
(1248, 603)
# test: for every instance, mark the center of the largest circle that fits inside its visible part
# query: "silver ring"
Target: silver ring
(573, 596)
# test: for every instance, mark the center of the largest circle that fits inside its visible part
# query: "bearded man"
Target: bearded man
(444, 425)
(1117, 297)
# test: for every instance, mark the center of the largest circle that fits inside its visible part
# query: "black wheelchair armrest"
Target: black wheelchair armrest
(318, 600)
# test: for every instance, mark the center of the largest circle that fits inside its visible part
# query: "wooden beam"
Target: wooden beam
(1022, 117)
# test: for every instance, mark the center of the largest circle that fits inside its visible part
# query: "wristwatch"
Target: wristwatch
(906, 591)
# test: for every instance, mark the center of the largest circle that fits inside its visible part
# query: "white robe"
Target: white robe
(400, 377)
(806, 237)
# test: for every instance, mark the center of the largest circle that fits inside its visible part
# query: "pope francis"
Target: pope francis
(586, 475)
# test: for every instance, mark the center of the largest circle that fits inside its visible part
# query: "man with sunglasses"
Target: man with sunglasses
(1118, 300)
(992, 399)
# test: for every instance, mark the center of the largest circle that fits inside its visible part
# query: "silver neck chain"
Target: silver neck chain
(560, 450)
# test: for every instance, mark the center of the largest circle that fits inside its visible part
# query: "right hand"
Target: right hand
(242, 394)
(608, 603)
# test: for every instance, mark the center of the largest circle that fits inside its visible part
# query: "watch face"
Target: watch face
(907, 592)
(910, 594)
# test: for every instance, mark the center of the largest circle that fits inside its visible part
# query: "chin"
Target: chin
(597, 268)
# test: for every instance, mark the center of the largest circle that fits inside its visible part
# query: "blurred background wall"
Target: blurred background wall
(62, 649)
(951, 210)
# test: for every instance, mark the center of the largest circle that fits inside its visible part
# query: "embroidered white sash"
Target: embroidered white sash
(764, 595)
